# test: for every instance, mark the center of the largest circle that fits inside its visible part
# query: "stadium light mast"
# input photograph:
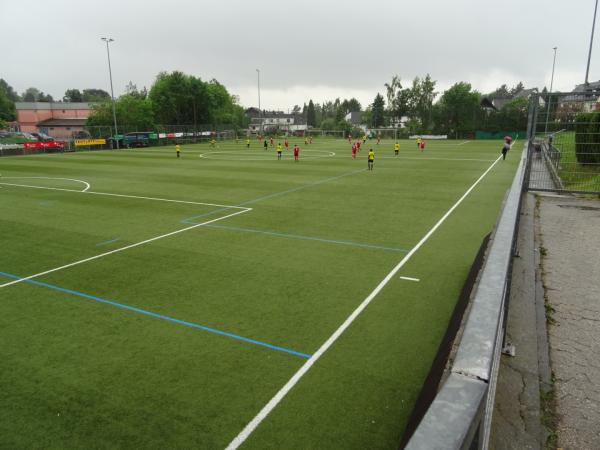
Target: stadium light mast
(259, 110)
(112, 93)
(550, 93)
(587, 70)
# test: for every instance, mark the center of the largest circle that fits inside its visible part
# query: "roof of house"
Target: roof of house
(62, 123)
(593, 86)
(53, 105)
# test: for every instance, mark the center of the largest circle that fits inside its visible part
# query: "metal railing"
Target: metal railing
(460, 415)
(565, 156)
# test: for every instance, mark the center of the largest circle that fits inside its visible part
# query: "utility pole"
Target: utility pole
(587, 70)
(112, 93)
(550, 93)
(259, 109)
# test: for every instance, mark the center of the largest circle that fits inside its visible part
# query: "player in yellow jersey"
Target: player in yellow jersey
(177, 149)
(279, 150)
(419, 142)
(396, 148)
(248, 143)
(213, 143)
(370, 159)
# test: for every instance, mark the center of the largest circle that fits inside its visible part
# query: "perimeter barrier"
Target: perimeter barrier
(460, 415)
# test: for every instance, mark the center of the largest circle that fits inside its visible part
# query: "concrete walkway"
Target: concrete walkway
(570, 237)
(558, 261)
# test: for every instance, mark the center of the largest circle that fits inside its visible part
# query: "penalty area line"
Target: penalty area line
(127, 247)
(266, 410)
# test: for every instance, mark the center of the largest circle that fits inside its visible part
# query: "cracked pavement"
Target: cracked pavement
(570, 234)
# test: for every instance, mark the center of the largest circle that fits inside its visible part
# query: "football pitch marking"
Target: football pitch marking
(160, 316)
(307, 238)
(410, 279)
(425, 158)
(264, 412)
(278, 194)
(269, 155)
(110, 194)
(87, 185)
(127, 247)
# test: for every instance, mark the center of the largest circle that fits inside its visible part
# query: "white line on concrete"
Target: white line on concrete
(409, 279)
(137, 244)
(264, 412)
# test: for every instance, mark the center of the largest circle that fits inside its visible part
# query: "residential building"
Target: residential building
(275, 121)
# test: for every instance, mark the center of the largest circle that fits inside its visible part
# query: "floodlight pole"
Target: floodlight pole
(550, 93)
(587, 70)
(259, 110)
(112, 93)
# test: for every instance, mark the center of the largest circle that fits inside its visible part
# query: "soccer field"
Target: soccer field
(149, 301)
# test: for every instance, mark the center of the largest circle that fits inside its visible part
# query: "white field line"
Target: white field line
(137, 244)
(409, 279)
(264, 412)
(124, 195)
(462, 143)
(87, 185)
(425, 158)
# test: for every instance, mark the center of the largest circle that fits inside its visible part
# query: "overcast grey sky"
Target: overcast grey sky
(318, 49)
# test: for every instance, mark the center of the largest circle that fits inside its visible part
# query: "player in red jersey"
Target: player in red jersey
(358, 144)
(271, 141)
(286, 143)
(296, 152)
(422, 144)
(378, 139)
(349, 139)
(354, 151)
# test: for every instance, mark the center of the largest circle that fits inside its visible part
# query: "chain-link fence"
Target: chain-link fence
(565, 142)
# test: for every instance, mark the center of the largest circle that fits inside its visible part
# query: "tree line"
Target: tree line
(173, 99)
(177, 98)
(458, 110)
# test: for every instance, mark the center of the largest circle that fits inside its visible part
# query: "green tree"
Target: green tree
(398, 99)
(132, 90)
(7, 105)
(133, 114)
(377, 118)
(33, 94)
(9, 91)
(422, 94)
(73, 95)
(458, 110)
(310, 114)
(94, 95)
(180, 99)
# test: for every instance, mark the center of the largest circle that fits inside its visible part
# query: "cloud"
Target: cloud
(310, 49)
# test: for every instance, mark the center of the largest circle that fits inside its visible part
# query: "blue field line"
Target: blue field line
(160, 316)
(308, 238)
(107, 242)
(189, 220)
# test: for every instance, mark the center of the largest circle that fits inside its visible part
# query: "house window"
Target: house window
(52, 128)
(68, 128)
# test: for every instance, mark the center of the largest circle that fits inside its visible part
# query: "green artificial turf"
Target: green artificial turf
(111, 353)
